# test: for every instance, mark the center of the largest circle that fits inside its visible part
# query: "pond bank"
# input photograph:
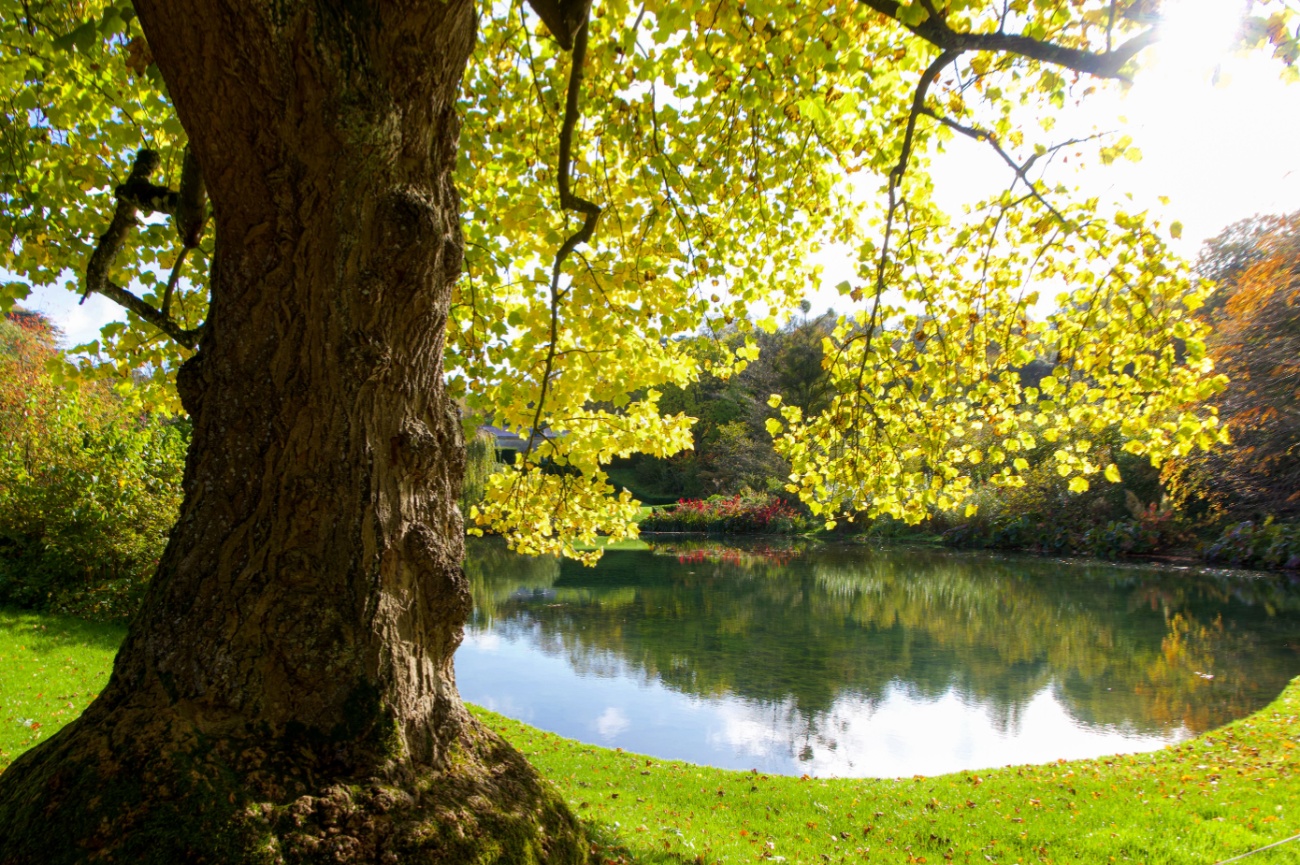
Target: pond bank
(1241, 546)
(1220, 795)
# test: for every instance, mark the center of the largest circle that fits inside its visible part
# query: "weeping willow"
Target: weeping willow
(480, 464)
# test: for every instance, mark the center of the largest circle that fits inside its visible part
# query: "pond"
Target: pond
(852, 662)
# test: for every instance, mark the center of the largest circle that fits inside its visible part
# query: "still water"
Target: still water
(852, 662)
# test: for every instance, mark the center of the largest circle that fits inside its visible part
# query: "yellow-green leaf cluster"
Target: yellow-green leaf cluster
(728, 146)
(934, 385)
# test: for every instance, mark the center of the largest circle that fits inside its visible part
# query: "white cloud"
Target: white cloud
(611, 722)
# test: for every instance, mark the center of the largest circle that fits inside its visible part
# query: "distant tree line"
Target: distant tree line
(1256, 342)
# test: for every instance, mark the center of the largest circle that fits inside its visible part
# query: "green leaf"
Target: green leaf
(913, 15)
(85, 36)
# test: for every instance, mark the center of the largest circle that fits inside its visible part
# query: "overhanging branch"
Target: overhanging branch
(896, 175)
(569, 200)
(935, 30)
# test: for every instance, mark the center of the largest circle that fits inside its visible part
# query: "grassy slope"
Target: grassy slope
(1221, 795)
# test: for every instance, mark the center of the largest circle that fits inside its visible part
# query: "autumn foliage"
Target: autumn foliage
(89, 485)
(1256, 342)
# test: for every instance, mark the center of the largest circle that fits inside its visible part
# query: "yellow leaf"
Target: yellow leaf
(1112, 473)
(1078, 485)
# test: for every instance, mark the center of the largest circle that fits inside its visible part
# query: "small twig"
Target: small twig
(1020, 170)
(1259, 850)
(172, 280)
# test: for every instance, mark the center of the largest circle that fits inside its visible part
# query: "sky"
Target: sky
(1219, 133)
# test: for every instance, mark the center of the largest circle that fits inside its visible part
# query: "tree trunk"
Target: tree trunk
(286, 694)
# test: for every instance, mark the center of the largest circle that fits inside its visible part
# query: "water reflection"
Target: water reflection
(850, 661)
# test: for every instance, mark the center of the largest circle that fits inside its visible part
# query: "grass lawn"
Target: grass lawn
(1207, 800)
(51, 667)
(603, 543)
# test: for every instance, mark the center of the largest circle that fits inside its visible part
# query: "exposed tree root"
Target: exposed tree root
(163, 792)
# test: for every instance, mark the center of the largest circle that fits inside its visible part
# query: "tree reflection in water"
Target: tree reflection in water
(796, 631)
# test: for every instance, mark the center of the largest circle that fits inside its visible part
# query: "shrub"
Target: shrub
(1118, 538)
(743, 513)
(1005, 532)
(1268, 545)
(89, 488)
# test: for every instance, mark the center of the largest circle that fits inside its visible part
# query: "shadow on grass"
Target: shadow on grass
(612, 844)
(44, 633)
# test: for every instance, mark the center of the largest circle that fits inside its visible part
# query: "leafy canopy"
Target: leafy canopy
(727, 145)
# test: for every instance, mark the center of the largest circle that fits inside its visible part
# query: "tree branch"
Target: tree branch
(564, 18)
(918, 108)
(191, 215)
(1022, 171)
(935, 30)
(137, 193)
(895, 181)
(904, 157)
(568, 201)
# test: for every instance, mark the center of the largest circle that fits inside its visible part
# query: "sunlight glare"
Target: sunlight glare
(1197, 34)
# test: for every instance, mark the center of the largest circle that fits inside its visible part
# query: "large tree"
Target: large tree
(286, 693)
(1256, 340)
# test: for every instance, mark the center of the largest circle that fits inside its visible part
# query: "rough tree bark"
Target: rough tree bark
(287, 694)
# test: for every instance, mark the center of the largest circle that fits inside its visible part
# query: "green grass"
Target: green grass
(1214, 797)
(51, 667)
(605, 544)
